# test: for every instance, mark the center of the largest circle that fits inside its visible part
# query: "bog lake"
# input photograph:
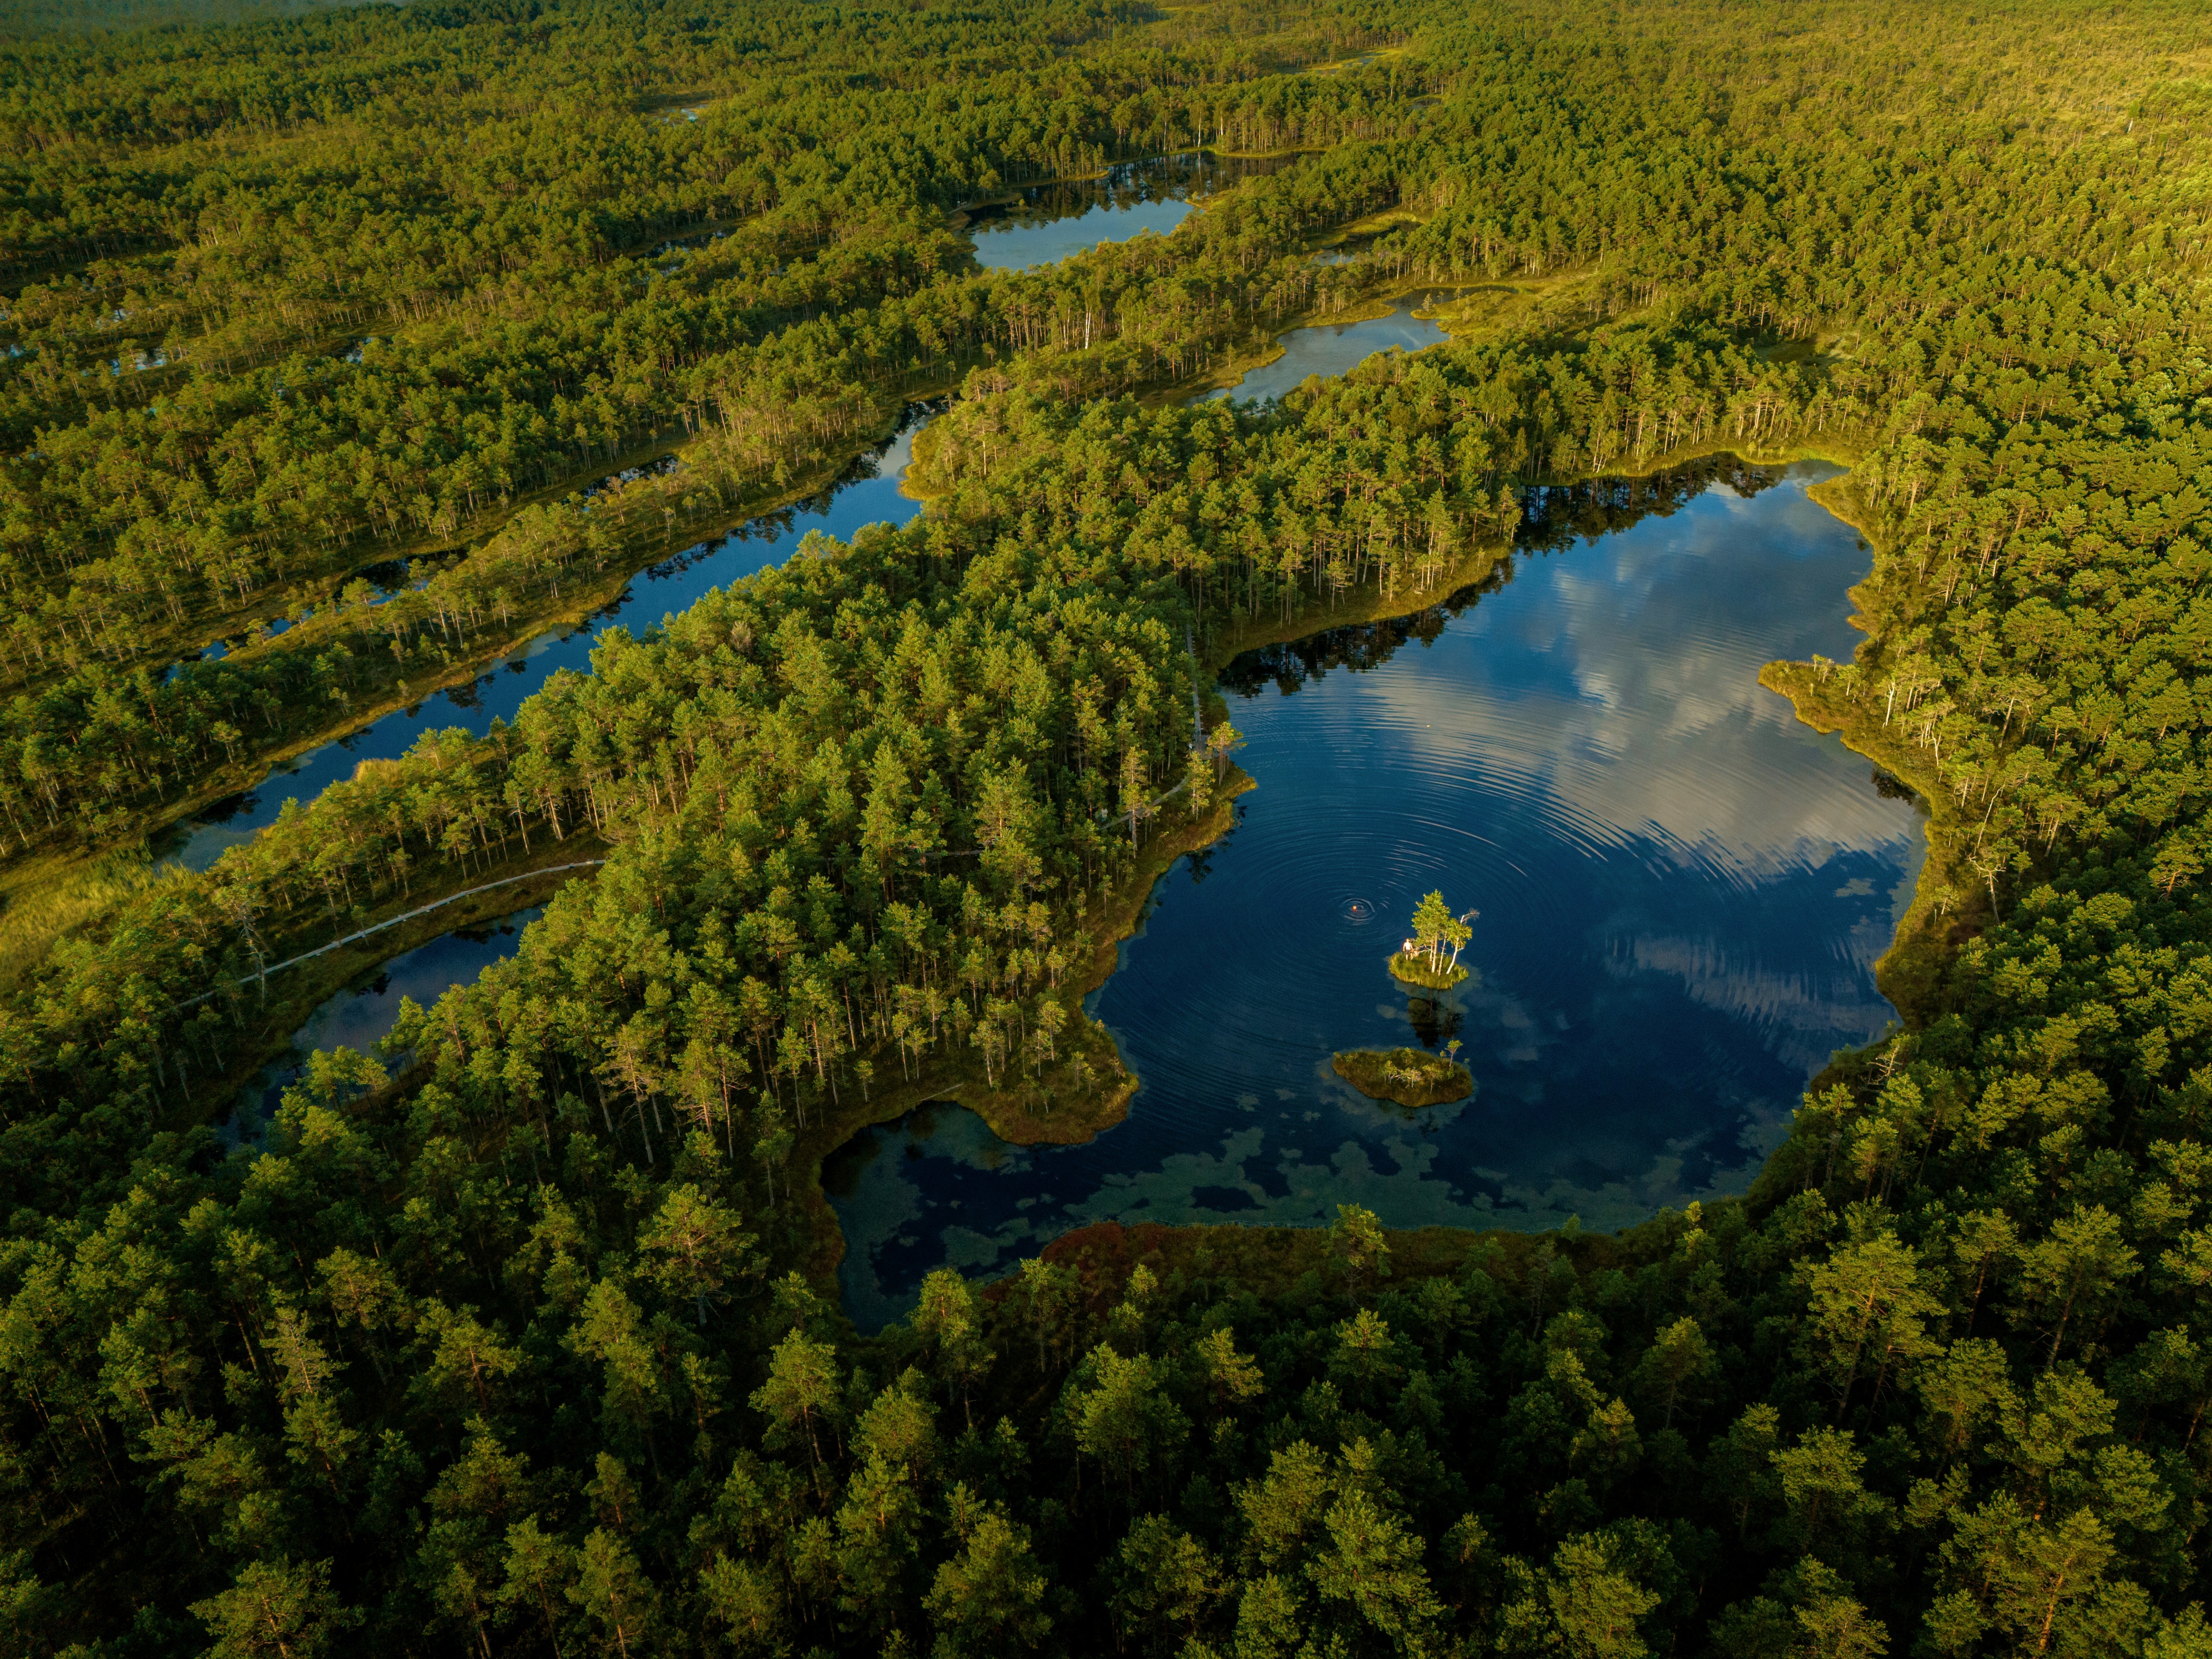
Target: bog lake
(1682, 891)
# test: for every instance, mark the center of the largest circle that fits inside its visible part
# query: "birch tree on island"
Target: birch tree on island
(1435, 929)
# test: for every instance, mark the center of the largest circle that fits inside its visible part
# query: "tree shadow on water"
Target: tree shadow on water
(1554, 518)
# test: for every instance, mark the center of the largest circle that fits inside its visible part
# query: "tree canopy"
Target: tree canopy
(518, 1336)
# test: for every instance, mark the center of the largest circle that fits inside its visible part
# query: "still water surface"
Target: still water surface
(1335, 348)
(1682, 892)
(1044, 225)
(1047, 223)
(362, 1015)
(868, 494)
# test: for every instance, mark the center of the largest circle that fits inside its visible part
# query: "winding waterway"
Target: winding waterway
(1039, 225)
(868, 494)
(1682, 893)
(1045, 223)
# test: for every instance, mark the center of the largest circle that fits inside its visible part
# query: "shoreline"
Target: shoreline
(1904, 973)
(525, 882)
(956, 1077)
(47, 871)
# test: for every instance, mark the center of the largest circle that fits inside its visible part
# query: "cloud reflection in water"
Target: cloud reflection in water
(1683, 893)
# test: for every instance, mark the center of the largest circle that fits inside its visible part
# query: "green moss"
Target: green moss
(1406, 1075)
(1414, 971)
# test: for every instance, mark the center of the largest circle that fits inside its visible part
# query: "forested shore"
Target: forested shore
(246, 498)
(511, 1346)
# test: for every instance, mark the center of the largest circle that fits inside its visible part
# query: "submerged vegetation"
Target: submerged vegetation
(1407, 1077)
(510, 1346)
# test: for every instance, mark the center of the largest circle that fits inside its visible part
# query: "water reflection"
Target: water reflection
(868, 494)
(1682, 894)
(1047, 223)
(362, 1015)
(1334, 347)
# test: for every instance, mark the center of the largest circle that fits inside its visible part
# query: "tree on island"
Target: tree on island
(1434, 926)
(1220, 742)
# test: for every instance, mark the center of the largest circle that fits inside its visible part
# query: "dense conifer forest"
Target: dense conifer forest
(520, 1336)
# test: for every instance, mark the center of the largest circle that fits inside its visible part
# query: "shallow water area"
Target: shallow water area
(1329, 349)
(869, 493)
(1682, 892)
(362, 1015)
(1044, 224)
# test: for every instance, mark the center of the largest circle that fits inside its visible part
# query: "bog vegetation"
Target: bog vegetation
(1409, 1077)
(515, 1339)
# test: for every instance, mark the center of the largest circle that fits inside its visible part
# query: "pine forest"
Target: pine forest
(353, 356)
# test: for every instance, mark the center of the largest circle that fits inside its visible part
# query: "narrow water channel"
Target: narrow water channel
(1682, 894)
(362, 1015)
(1041, 225)
(868, 494)
(1038, 225)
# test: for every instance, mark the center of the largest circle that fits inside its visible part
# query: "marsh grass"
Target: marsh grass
(58, 897)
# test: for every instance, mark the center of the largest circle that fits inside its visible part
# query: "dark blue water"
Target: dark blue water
(1333, 347)
(1040, 225)
(362, 1015)
(869, 493)
(1682, 893)
(1047, 223)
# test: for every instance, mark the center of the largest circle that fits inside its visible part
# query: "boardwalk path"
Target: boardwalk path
(424, 910)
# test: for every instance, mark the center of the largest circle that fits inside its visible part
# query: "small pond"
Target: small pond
(868, 494)
(362, 1015)
(1329, 349)
(1682, 894)
(1047, 223)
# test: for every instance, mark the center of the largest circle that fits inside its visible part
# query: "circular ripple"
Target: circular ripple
(1357, 911)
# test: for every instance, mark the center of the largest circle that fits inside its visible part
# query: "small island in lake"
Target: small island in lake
(1421, 960)
(1406, 1075)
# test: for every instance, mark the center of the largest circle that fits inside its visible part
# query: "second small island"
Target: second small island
(1408, 1077)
